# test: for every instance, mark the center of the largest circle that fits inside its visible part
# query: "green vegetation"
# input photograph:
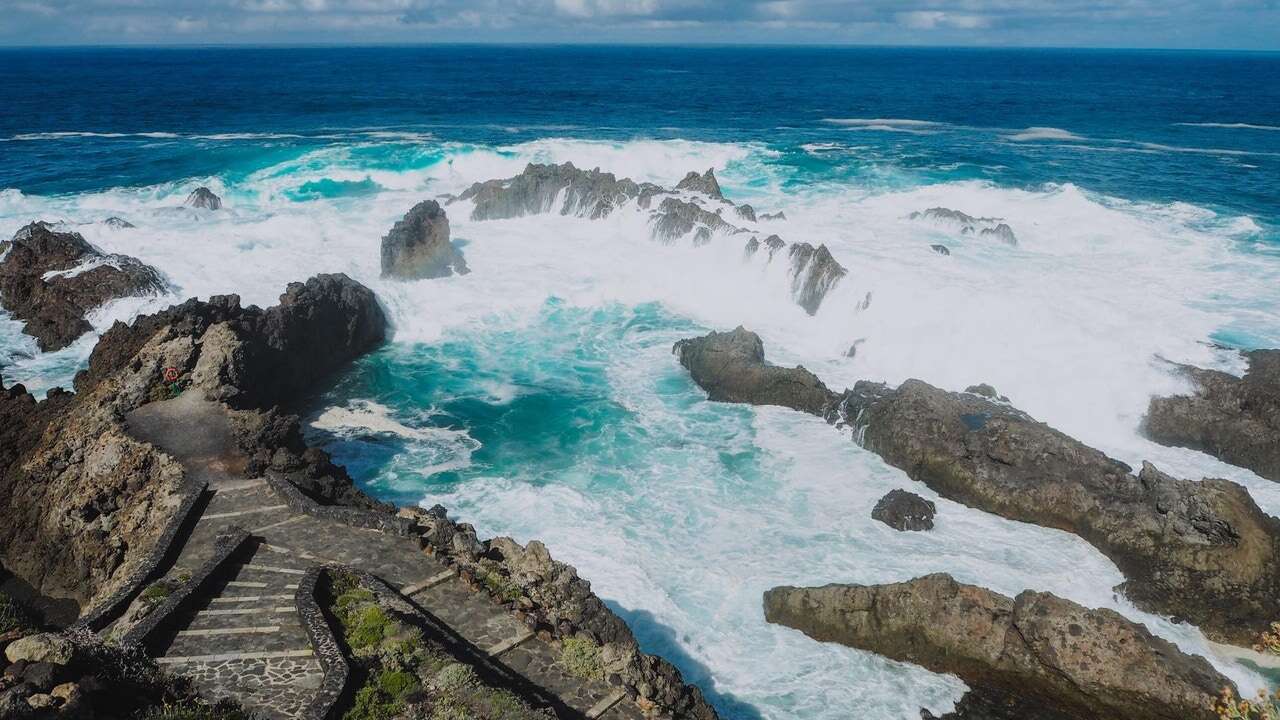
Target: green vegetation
(383, 696)
(1269, 641)
(581, 658)
(12, 615)
(157, 591)
(501, 586)
(193, 711)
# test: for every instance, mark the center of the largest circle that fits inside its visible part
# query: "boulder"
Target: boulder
(813, 273)
(902, 510)
(940, 249)
(202, 197)
(1063, 659)
(986, 391)
(51, 280)
(1236, 419)
(731, 368)
(705, 183)
(40, 648)
(418, 246)
(1202, 550)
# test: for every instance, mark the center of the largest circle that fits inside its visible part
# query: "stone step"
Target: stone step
(246, 511)
(509, 643)
(256, 638)
(209, 632)
(250, 598)
(228, 656)
(432, 581)
(606, 704)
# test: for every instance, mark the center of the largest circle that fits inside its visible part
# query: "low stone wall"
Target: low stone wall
(225, 546)
(354, 517)
(162, 555)
(551, 599)
(337, 671)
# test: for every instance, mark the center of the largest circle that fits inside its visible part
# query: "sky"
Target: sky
(1225, 24)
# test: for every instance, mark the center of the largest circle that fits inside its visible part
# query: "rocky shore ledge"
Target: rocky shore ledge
(1201, 550)
(88, 507)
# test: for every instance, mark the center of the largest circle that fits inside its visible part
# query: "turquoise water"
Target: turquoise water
(538, 397)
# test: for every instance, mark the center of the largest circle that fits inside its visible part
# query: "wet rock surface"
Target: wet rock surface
(1200, 550)
(51, 280)
(904, 511)
(814, 272)
(585, 193)
(1048, 657)
(983, 227)
(731, 368)
(203, 198)
(1234, 419)
(418, 246)
(705, 183)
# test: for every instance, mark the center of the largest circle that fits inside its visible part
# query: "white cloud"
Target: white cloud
(931, 19)
(606, 8)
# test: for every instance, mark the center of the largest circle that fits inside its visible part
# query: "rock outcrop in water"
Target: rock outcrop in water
(84, 501)
(203, 198)
(1200, 550)
(1234, 419)
(983, 227)
(51, 280)
(814, 272)
(418, 246)
(694, 209)
(731, 368)
(1051, 658)
(905, 511)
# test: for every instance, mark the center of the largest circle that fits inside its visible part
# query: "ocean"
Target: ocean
(537, 397)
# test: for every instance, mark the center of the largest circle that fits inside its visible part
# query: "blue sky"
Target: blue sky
(1245, 24)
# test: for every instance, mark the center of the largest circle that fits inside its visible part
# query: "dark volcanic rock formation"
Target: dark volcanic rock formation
(731, 368)
(813, 273)
(677, 218)
(51, 280)
(203, 197)
(1198, 550)
(985, 227)
(705, 183)
(418, 246)
(1234, 419)
(584, 193)
(902, 510)
(84, 501)
(1052, 656)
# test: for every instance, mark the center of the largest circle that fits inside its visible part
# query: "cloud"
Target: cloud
(1129, 23)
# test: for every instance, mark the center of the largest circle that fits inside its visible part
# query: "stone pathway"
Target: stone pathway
(245, 641)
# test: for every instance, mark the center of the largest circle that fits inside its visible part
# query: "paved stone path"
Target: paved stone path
(245, 641)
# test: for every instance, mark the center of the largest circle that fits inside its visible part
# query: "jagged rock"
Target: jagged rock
(40, 648)
(746, 212)
(1234, 419)
(902, 510)
(814, 272)
(987, 227)
(203, 197)
(940, 249)
(731, 368)
(773, 243)
(116, 223)
(676, 218)
(1198, 550)
(418, 246)
(986, 391)
(591, 194)
(773, 216)
(51, 280)
(705, 183)
(853, 348)
(1066, 660)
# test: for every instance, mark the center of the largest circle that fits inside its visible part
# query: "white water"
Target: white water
(1069, 324)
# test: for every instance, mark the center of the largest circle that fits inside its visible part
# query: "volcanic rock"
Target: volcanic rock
(813, 273)
(203, 197)
(586, 193)
(1234, 419)
(418, 246)
(902, 510)
(51, 280)
(940, 249)
(1066, 660)
(731, 368)
(705, 183)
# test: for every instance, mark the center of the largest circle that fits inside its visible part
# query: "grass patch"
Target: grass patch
(12, 615)
(502, 587)
(191, 711)
(581, 657)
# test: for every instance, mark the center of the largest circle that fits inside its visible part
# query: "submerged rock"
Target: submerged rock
(203, 197)
(1198, 550)
(773, 216)
(985, 227)
(731, 368)
(116, 223)
(418, 246)
(51, 280)
(813, 273)
(902, 510)
(940, 249)
(1234, 419)
(1051, 656)
(705, 183)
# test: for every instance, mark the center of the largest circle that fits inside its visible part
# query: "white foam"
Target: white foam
(364, 417)
(1044, 133)
(1230, 126)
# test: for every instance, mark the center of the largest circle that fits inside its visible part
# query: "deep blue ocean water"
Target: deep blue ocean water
(538, 396)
